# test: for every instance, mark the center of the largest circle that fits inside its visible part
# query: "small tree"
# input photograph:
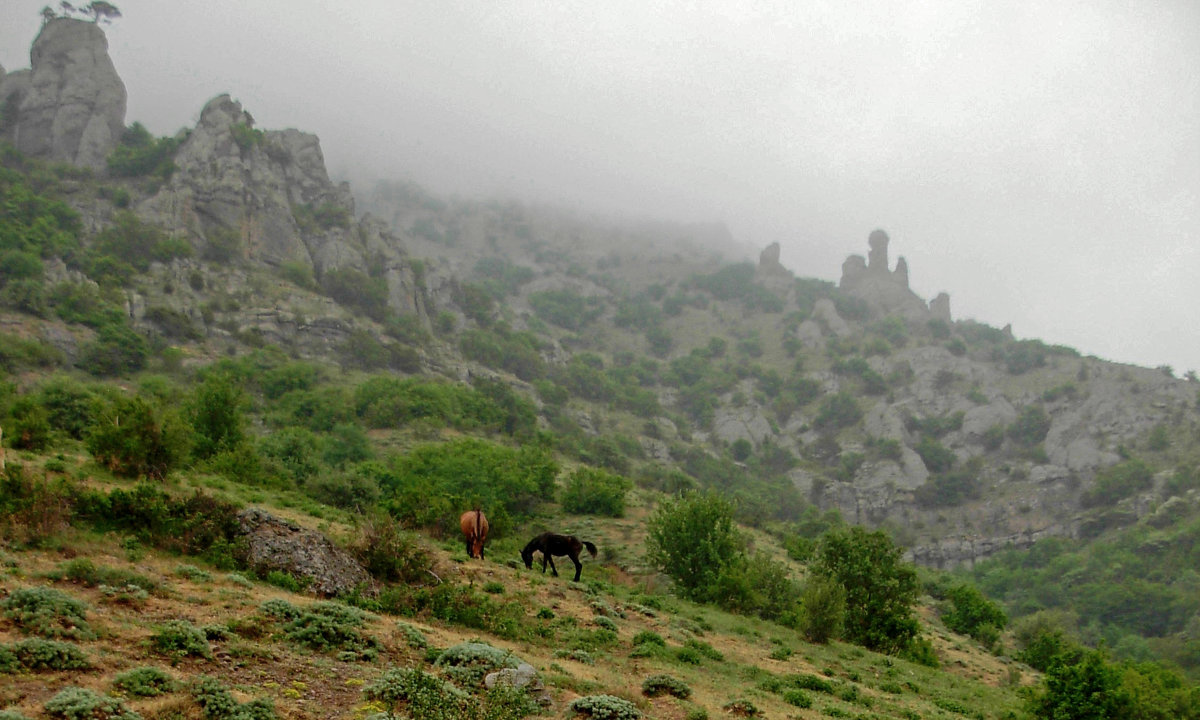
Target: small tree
(880, 587)
(1090, 689)
(590, 491)
(131, 437)
(823, 603)
(972, 613)
(693, 540)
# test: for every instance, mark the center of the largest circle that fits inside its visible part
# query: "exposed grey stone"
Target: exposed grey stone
(276, 544)
(72, 109)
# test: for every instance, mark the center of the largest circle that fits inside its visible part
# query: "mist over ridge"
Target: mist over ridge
(1036, 163)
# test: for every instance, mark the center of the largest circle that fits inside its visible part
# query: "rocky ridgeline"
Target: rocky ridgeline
(268, 194)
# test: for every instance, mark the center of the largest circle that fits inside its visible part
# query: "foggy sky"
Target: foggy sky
(1039, 161)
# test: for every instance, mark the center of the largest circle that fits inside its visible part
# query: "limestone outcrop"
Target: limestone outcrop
(885, 290)
(70, 105)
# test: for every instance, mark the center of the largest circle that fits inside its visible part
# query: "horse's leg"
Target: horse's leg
(469, 548)
(552, 568)
(578, 566)
(545, 556)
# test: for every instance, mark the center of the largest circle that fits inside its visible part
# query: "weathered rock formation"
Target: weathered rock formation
(271, 192)
(887, 291)
(275, 544)
(70, 105)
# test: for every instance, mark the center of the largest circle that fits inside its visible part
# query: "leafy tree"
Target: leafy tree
(1087, 690)
(132, 437)
(693, 539)
(215, 412)
(973, 614)
(880, 587)
(595, 492)
(823, 604)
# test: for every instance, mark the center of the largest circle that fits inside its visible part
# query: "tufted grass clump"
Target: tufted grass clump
(218, 704)
(76, 703)
(468, 663)
(797, 697)
(12, 715)
(605, 707)
(656, 685)
(37, 654)
(48, 612)
(179, 638)
(145, 682)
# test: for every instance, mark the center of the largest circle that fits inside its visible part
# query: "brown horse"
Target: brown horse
(474, 526)
(550, 544)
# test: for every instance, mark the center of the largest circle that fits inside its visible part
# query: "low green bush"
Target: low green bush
(469, 662)
(605, 707)
(47, 612)
(76, 703)
(218, 704)
(36, 654)
(179, 638)
(656, 685)
(145, 682)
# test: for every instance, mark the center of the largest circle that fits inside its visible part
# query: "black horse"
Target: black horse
(551, 544)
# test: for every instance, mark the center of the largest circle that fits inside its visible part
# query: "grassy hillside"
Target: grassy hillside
(565, 375)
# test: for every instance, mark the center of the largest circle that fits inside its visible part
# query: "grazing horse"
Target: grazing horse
(551, 544)
(474, 526)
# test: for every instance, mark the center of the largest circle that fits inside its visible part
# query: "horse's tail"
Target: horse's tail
(479, 531)
(590, 547)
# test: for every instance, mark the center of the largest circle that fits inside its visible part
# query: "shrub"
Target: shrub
(564, 308)
(389, 552)
(1118, 482)
(656, 685)
(797, 697)
(180, 638)
(973, 614)
(693, 539)
(218, 704)
(75, 703)
(37, 654)
(47, 612)
(145, 682)
(649, 637)
(1030, 427)
(880, 587)
(131, 437)
(590, 491)
(823, 605)
(117, 350)
(139, 154)
(839, 410)
(605, 707)
(741, 707)
(332, 626)
(469, 662)
(417, 694)
(85, 572)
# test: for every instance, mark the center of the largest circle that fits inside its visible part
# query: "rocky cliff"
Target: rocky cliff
(70, 105)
